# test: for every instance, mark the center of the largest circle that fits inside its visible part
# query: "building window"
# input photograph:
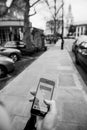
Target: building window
(81, 30)
(4, 34)
(85, 30)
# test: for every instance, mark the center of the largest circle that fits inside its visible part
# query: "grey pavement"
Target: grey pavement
(71, 99)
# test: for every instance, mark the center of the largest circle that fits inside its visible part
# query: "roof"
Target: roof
(11, 23)
(80, 23)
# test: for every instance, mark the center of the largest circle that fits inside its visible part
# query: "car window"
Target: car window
(10, 44)
(84, 44)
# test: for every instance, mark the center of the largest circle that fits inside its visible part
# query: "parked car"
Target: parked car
(78, 41)
(15, 44)
(15, 54)
(74, 46)
(21, 46)
(81, 55)
(6, 66)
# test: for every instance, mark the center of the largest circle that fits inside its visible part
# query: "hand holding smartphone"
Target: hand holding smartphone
(44, 91)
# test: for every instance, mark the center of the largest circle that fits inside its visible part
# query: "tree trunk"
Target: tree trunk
(27, 32)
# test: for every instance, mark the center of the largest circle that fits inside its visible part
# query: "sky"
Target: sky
(79, 11)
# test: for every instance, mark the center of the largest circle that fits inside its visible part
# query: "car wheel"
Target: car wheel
(3, 71)
(14, 57)
(45, 48)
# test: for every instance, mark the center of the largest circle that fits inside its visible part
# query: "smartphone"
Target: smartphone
(44, 91)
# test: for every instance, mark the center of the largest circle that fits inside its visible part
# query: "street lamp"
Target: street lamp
(62, 43)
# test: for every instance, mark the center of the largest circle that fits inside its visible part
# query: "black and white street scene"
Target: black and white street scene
(43, 64)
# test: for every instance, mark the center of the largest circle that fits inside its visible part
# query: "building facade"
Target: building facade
(9, 27)
(81, 29)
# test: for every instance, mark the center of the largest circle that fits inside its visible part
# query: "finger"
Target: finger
(52, 105)
(33, 92)
(31, 99)
(48, 102)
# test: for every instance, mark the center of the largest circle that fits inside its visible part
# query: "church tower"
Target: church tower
(69, 18)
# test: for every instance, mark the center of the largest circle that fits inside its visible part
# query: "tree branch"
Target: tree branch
(34, 3)
(46, 1)
(59, 8)
(17, 6)
(33, 13)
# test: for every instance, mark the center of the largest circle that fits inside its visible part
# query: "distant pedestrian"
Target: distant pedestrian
(10, 36)
(16, 36)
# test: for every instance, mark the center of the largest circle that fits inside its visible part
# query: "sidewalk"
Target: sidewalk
(69, 94)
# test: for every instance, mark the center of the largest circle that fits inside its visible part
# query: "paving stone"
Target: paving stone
(65, 68)
(75, 112)
(64, 95)
(66, 80)
(19, 123)
(70, 126)
(15, 105)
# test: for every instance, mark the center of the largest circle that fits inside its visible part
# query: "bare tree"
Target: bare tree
(25, 6)
(54, 15)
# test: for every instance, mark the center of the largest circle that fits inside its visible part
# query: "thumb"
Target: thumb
(52, 105)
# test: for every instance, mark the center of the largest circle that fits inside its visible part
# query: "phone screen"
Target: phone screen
(44, 92)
